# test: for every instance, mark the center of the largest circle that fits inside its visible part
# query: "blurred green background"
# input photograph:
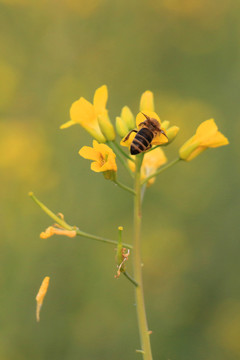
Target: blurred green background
(53, 52)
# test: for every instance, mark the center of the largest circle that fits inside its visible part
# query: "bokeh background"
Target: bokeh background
(53, 52)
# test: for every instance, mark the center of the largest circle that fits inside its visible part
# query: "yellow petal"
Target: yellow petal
(154, 159)
(47, 233)
(128, 142)
(109, 165)
(160, 139)
(217, 140)
(82, 112)
(89, 153)
(102, 148)
(41, 295)
(67, 124)
(51, 230)
(100, 99)
(96, 166)
(206, 129)
(147, 101)
(151, 162)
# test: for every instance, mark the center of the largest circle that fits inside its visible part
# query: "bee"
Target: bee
(150, 128)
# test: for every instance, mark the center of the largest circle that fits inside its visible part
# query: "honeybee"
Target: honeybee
(150, 128)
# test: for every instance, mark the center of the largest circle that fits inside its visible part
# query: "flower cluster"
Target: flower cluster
(93, 117)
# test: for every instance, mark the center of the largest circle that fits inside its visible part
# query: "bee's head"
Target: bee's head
(153, 125)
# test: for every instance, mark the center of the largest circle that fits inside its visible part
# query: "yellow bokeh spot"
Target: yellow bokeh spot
(25, 155)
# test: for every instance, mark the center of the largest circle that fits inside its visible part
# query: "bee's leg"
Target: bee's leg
(163, 132)
(127, 137)
(149, 147)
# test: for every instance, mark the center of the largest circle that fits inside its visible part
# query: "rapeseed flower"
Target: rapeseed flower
(103, 158)
(207, 136)
(84, 113)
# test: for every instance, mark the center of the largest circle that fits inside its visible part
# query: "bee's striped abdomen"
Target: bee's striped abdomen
(141, 141)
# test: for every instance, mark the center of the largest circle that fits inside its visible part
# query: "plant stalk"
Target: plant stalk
(66, 226)
(124, 187)
(137, 266)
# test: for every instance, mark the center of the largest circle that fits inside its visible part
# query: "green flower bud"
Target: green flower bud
(106, 127)
(172, 133)
(165, 124)
(128, 118)
(121, 127)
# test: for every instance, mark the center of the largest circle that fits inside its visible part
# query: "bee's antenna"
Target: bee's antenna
(147, 117)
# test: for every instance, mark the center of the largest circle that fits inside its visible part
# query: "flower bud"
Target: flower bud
(147, 101)
(128, 118)
(121, 127)
(189, 150)
(106, 127)
(172, 133)
(165, 124)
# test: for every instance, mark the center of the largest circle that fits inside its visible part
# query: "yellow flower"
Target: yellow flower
(103, 157)
(207, 136)
(41, 295)
(86, 114)
(158, 140)
(151, 162)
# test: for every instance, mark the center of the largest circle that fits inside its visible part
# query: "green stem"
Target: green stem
(99, 238)
(137, 265)
(124, 187)
(56, 218)
(130, 278)
(122, 151)
(66, 226)
(161, 170)
(116, 149)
